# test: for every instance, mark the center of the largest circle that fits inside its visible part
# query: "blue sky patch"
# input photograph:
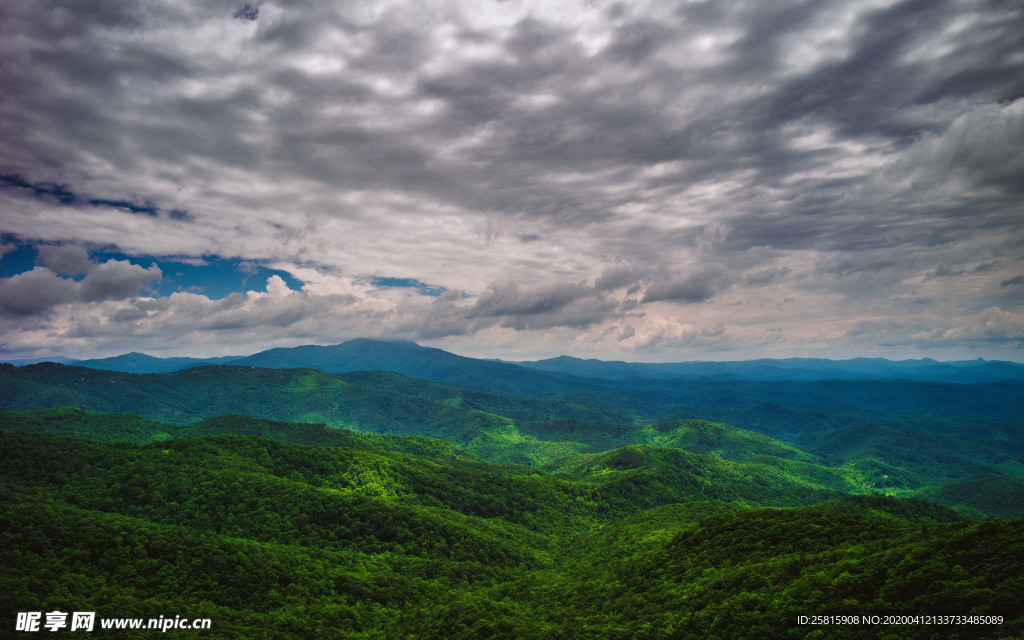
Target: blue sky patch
(62, 195)
(409, 283)
(212, 276)
(18, 260)
(58, 192)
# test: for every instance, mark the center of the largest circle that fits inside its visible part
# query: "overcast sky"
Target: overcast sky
(713, 180)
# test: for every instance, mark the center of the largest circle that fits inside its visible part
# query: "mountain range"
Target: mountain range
(435, 364)
(380, 489)
(907, 437)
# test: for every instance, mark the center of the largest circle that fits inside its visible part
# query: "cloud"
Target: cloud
(542, 306)
(39, 290)
(930, 330)
(511, 299)
(67, 260)
(697, 286)
(617, 277)
(116, 279)
(566, 167)
(248, 12)
(36, 291)
(766, 276)
(186, 314)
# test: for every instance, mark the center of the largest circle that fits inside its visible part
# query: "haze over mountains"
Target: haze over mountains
(412, 359)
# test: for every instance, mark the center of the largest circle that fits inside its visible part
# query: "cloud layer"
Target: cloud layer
(632, 180)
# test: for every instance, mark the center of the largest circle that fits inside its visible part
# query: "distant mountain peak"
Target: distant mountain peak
(392, 342)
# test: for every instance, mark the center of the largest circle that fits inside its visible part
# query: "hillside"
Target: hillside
(129, 428)
(1000, 496)
(293, 395)
(916, 458)
(275, 539)
(542, 430)
(706, 462)
(991, 410)
(684, 476)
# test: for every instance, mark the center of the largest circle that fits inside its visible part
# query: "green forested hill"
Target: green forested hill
(273, 539)
(526, 429)
(789, 410)
(733, 471)
(126, 427)
(295, 395)
(916, 459)
(551, 430)
(1002, 496)
(291, 503)
(751, 573)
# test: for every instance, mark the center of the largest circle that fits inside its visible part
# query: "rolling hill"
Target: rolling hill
(272, 539)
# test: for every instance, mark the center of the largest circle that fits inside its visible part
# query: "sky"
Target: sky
(643, 181)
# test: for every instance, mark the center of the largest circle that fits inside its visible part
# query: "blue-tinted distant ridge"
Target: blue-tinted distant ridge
(409, 358)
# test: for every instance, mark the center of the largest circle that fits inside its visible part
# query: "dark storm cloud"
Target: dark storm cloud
(539, 307)
(617, 277)
(611, 108)
(513, 300)
(860, 263)
(693, 287)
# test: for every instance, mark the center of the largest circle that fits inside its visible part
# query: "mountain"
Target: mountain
(992, 495)
(363, 354)
(24, 361)
(788, 369)
(135, 362)
(411, 359)
(785, 406)
(438, 365)
(488, 500)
